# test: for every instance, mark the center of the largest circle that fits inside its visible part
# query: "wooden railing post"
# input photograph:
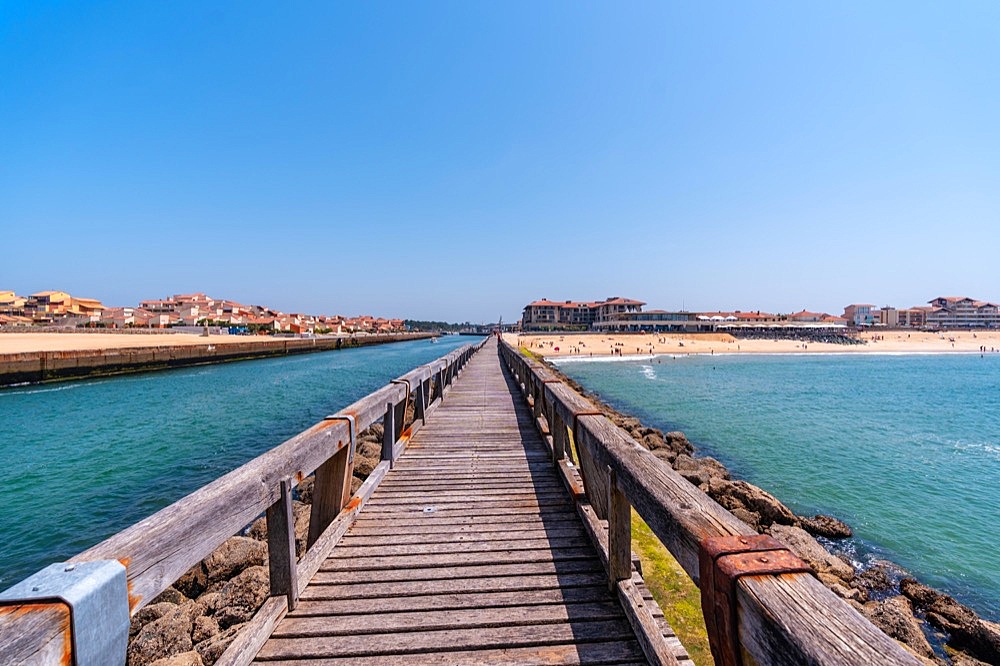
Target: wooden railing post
(420, 402)
(331, 490)
(389, 433)
(282, 563)
(558, 431)
(619, 532)
(439, 382)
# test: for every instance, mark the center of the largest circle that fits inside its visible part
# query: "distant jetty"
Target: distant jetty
(47, 366)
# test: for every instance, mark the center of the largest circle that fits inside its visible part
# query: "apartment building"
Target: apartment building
(962, 312)
(546, 315)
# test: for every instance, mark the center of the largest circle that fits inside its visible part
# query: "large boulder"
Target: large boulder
(240, 598)
(233, 556)
(678, 441)
(166, 636)
(826, 526)
(812, 552)
(740, 494)
(894, 616)
(700, 471)
(191, 658)
(212, 648)
(967, 630)
(875, 578)
(203, 628)
(148, 614)
(170, 596)
(363, 466)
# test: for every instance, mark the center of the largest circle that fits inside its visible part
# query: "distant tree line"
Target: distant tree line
(418, 325)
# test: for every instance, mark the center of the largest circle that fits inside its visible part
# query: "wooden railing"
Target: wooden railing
(160, 549)
(756, 610)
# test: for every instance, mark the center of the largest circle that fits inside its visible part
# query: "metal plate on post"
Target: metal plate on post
(97, 595)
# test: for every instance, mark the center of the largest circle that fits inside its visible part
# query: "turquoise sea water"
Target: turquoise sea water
(82, 460)
(905, 449)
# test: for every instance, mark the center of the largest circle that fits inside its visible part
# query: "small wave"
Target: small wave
(51, 389)
(648, 372)
(559, 360)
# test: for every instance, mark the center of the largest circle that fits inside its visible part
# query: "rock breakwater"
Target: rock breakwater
(901, 607)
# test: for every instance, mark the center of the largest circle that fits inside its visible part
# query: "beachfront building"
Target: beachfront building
(11, 304)
(860, 314)
(962, 312)
(546, 315)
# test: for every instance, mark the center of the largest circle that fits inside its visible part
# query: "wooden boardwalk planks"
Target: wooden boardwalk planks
(470, 552)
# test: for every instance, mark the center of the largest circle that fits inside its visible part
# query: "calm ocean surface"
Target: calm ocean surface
(82, 460)
(905, 449)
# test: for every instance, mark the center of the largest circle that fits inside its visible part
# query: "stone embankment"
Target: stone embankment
(904, 609)
(35, 367)
(193, 622)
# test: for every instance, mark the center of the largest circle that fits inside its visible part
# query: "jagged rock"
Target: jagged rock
(164, 637)
(967, 630)
(364, 466)
(191, 658)
(370, 450)
(258, 529)
(209, 601)
(873, 579)
(629, 423)
(301, 513)
(377, 431)
(812, 552)
(962, 659)
(355, 484)
(193, 582)
(169, 596)
(826, 526)
(666, 455)
(212, 648)
(847, 592)
(241, 597)
(653, 442)
(306, 489)
(233, 556)
(751, 518)
(148, 614)
(894, 616)
(740, 494)
(700, 470)
(204, 628)
(678, 441)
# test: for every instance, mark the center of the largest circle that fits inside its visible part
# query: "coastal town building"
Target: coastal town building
(546, 315)
(962, 312)
(859, 314)
(59, 308)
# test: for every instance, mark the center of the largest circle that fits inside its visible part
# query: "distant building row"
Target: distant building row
(943, 312)
(60, 308)
(626, 315)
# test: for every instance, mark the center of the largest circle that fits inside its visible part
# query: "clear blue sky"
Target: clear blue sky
(455, 160)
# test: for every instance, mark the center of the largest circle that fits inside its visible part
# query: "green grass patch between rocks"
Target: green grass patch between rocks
(673, 590)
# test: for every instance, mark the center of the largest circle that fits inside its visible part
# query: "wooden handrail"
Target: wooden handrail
(158, 550)
(781, 619)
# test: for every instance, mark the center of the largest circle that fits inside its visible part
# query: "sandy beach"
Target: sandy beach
(646, 344)
(13, 343)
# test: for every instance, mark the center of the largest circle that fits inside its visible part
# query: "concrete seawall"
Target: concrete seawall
(36, 367)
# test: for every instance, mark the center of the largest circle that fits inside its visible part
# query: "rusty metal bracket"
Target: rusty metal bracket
(353, 430)
(722, 561)
(406, 400)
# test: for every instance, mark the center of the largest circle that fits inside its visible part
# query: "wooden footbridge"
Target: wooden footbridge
(496, 530)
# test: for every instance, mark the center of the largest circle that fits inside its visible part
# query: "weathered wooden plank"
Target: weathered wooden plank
(476, 618)
(621, 653)
(369, 589)
(446, 639)
(348, 551)
(453, 601)
(254, 634)
(353, 540)
(35, 634)
(457, 560)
